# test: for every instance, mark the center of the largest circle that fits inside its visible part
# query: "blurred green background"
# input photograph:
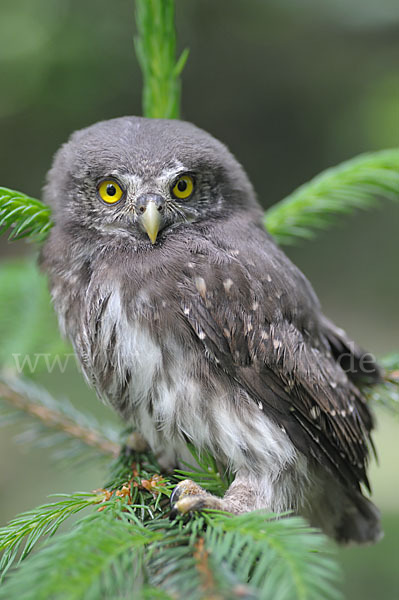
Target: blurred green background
(292, 88)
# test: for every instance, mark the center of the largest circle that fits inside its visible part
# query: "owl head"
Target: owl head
(143, 178)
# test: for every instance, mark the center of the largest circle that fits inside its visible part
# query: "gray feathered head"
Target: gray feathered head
(143, 176)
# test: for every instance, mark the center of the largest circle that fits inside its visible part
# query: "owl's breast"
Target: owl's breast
(147, 377)
(170, 389)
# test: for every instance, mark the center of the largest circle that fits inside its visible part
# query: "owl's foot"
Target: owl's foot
(189, 497)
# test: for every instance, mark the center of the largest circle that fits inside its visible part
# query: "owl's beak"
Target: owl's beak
(151, 206)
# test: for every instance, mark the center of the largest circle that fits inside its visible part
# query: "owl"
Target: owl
(192, 324)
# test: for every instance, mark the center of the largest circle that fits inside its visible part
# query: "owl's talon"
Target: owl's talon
(190, 504)
(188, 497)
(187, 487)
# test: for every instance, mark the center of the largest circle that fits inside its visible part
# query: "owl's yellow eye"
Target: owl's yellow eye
(183, 188)
(110, 191)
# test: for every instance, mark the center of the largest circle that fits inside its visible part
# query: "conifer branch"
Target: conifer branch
(27, 528)
(100, 558)
(36, 403)
(212, 555)
(155, 45)
(23, 216)
(353, 185)
(224, 556)
(134, 493)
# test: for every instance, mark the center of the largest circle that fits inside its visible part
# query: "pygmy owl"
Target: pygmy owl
(190, 321)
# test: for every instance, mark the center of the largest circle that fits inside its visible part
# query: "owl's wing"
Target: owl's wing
(265, 329)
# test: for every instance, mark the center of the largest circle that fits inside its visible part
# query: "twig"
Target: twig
(56, 420)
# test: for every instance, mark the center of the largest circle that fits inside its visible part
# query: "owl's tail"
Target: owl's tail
(359, 523)
(347, 516)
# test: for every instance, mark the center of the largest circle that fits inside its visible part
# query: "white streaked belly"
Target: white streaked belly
(169, 409)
